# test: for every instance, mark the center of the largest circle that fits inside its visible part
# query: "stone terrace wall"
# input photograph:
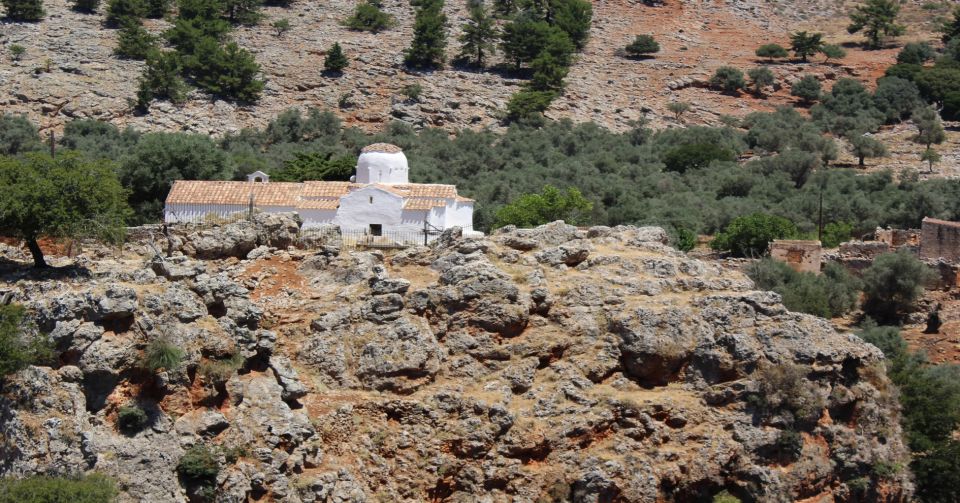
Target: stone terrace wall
(940, 239)
(802, 256)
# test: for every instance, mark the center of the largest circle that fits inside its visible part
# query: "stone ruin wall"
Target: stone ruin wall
(802, 256)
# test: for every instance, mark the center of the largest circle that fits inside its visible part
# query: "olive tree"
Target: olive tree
(66, 196)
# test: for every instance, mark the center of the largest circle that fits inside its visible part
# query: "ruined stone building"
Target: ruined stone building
(801, 255)
(940, 239)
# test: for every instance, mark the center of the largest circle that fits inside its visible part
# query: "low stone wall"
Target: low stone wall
(801, 255)
(940, 239)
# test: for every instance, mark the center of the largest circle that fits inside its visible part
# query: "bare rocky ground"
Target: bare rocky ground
(547, 364)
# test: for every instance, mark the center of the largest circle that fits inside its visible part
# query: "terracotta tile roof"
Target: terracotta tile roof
(277, 193)
(387, 148)
(319, 204)
(307, 195)
(423, 203)
(461, 199)
(327, 189)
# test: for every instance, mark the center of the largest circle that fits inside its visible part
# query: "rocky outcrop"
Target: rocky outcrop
(550, 364)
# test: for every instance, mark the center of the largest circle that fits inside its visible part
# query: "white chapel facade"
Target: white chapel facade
(379, 199)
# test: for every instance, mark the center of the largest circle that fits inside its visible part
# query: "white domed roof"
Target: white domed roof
(382, 163)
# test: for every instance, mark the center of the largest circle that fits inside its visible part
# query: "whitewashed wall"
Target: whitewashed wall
(371, 205)
(382, 167)
(180, 213)
(317, 218)
(459, 214)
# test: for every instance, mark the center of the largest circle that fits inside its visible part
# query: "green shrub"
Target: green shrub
(17, 51)
(17, 351)
(527, 103)
(750, 236)
(725, 497)
(283, 25)
(156, 9)
(771, 51)
(892, 284)
(916, 53)
(199, 465)
(530, 210)
(937, 473)
(807, 89)
(23, 10)
(696, 156)
(162, 354)
(835, 233)
(684, 239)
(412, 91)
(789, 444)
(18, 135)
(94, 488)
(727, 79)
(217, 372)
(642, 46)
(832, 51)
(369, 17)
(760, 78)
(87, 6)
(832, 293)
(131, 418)
(226, 71)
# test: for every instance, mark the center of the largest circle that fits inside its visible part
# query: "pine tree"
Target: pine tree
(134, 42)
(118, 11)
(805, 44)
(243, 11)
(23, 10)
(877, 19)
(86, 6)
(479, 34)
(161, 79)
(229, 72)
(429, 36)
(335, 61)
(156, 9)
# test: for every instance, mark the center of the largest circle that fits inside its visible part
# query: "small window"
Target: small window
(376, 229)
(258, 179)
(371, 199)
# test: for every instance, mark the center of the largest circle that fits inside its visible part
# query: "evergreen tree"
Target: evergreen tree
(429, 36)
(335, 61)
(229, 71)
(161, 79)
(916, 53)
(23, 10)
(805, 44)
(118, 11)
(523, 39)
(573, 17)
(551, 65)
(243, 11)
(134, 42)
(478, 37)
(156, 9)
(876, 19)
(504, 8)
(86, 6)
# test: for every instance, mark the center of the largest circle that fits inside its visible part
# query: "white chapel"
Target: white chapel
(378, 200)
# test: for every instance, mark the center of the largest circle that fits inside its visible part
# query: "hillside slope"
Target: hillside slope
(86, 80)
(535, 365)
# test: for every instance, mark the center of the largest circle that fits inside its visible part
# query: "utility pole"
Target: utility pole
(53, 146)
(820, 218)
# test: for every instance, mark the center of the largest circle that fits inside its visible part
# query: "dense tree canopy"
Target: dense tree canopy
(63, 197)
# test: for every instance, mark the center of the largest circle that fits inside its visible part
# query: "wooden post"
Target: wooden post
(53, 146)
